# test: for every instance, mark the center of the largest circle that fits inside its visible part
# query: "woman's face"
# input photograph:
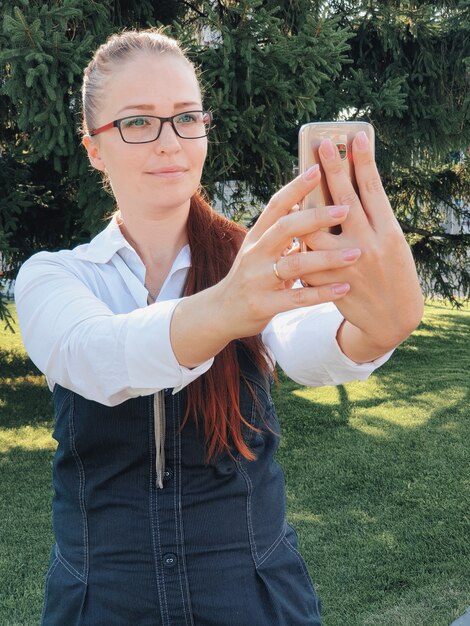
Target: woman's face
(139, 176)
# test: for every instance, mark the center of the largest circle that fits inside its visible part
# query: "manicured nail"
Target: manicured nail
(338, 211)
(350, 254)
(362, 141)
(311, 172)
(340, 288)
(327, 149)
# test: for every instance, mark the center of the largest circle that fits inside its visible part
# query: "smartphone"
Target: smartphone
(342, 135)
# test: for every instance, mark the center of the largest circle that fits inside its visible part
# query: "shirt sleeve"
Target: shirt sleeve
(77, 341)
(303, 342)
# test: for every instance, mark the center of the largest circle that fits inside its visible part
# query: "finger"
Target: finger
(280, 234)
(283, 200)
(299, 265)
(322, 240)
(373, 197)
(289, 299)
(340, 185)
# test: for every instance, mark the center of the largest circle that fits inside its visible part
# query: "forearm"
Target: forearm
(198, 328)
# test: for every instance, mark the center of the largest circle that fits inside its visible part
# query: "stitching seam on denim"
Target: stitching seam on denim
(249, 484)
(258, 559)
(272, 547)
(179, 515)
(64, 399)
(303, 568)
(81, 488)
(256, 383)
(48, 576)
(248, 509)
(70, 567)
(152, 500)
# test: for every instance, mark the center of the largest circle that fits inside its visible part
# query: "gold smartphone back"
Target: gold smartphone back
(341, 134)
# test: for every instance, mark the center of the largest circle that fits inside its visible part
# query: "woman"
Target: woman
(158, 340)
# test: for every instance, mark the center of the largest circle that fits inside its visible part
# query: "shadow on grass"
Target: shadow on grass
(26, 537)
(25, 399)
(377, 485)
(14, 363)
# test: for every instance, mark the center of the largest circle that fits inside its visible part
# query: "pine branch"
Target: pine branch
(193, 8)
(456, 237)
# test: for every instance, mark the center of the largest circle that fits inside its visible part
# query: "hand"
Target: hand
(251, 294)
(384, 304)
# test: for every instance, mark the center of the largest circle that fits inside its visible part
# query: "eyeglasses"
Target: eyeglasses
(147, 128)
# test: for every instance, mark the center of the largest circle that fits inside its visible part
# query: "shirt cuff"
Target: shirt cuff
(149, 335)
(304, 344)
(339, 366)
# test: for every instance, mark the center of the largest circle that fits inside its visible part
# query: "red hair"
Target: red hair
(214, 242)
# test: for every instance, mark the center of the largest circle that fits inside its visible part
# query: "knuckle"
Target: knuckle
(293, 264)
(365, 158)
(374, 253)
(335, 167)
(332, 258)
(282, 225)
(299, 297)
(274, 201)
(347, 197)
(373, 184)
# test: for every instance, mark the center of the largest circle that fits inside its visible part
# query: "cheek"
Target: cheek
(123, 158)
(199, 154)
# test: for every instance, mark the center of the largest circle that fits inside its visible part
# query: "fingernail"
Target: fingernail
(338, 211)
(362, 141)
(327, 149)
(340, 288)
(311, 172)
(350, 254)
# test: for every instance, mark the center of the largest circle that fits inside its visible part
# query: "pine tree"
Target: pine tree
(267, 67)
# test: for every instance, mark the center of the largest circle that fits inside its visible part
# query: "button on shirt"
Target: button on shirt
(85, 323)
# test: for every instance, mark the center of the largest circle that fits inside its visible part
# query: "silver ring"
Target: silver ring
(276, 273)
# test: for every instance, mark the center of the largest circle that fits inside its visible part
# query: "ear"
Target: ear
(93, 150)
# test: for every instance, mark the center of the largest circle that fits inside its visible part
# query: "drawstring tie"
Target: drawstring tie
(159, 422)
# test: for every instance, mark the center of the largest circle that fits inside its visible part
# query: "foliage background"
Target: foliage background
(267, 67)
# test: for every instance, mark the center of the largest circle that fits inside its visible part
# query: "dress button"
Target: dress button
(168, 473)
(169, 560)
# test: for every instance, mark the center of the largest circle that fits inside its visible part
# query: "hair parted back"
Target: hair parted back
(214, 241)
(119, 48)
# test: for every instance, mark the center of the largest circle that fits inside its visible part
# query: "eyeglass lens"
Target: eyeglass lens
(142, 128)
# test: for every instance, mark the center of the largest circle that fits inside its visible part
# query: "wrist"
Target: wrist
(359, 346)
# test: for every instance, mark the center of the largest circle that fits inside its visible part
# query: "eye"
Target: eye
(188, 118)
(135, 122)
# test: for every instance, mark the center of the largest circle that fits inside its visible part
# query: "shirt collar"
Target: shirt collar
(110, 241)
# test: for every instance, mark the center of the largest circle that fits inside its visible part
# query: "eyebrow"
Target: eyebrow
(150, 107)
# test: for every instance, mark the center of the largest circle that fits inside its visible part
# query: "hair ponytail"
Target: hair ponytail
(214, 242)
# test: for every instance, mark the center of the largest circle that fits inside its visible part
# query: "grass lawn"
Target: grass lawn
(378, 482)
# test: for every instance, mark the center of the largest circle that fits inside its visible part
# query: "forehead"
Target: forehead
(162, 81)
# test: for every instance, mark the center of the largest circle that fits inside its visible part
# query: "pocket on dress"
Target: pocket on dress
(64, 596)
(286, 581)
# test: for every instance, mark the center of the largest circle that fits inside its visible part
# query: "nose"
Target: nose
(168, 140)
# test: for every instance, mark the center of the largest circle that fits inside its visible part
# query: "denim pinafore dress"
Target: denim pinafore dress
(212, 548)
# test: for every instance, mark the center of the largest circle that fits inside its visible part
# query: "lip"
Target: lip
(171, 171)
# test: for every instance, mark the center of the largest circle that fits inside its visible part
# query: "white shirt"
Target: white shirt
(85, 323)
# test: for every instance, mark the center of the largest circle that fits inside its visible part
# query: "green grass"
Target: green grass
(378, 482)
